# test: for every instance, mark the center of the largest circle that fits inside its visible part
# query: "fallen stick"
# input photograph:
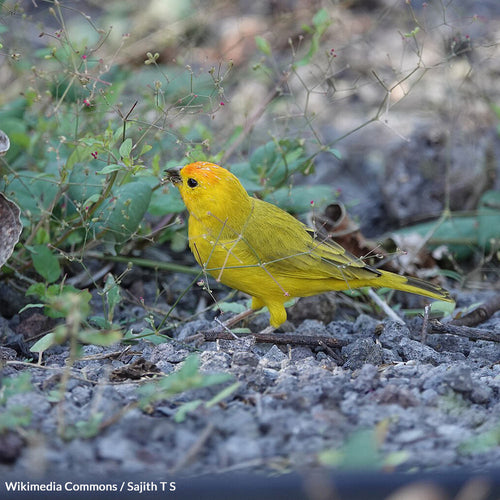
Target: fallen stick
(272, 338)
(464, 331)
(480, 314)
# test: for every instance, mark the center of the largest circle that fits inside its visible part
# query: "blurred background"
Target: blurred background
(387, 106)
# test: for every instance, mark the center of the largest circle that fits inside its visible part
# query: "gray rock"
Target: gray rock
(168, 352)
(366, 378)
(449, 343)
(239, 449)
(245, 358)
(459, 378)
(214, 361)
(81, 394)
(365, 325)
(481, 394)
(341, 330)
(193, 328)
(411, 349)
(300, 353)
(273, 358)
(409, 436)
(392, 334)
(391, 356)
(484, 352)
(361, 352)
(114, 447)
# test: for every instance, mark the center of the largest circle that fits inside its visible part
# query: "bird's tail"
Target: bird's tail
(414, 285)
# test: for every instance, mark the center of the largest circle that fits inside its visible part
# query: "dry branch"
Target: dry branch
(480, 314)
(274, 338)
(464, 331)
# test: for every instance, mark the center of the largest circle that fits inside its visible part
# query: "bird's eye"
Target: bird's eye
(192, 182)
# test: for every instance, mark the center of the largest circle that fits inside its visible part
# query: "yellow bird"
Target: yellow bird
(260, 249)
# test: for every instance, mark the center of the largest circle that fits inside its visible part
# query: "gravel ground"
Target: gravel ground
(388, 399)
(396, 403)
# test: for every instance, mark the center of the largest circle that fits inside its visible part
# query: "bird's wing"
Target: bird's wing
(290, 248)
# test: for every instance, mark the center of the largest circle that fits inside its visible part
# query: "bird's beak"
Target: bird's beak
(174, 175)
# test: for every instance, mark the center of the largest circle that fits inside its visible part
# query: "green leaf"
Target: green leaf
(91, 200)
(360, 451)
(45, 263)
(14, 417)
(233, 307)
(33, 192)
(16, 130)
(113, 297)
(97, 337)
(85, 429)
(299, 198)
(335, 152)
(482, 442)
(321, 19)
(44, 343)
(489, 219)
(442, 307)
(84, 186)
(263, 158)
(185, 408)
(166, 201)
(263, 45)
(37, 289)
(412, 33)
(462, 232)
(120, 216)
(178, 241)
(126, 148)
(110, 168)
(223, 394)
(30, 306)
(52, 293)
(15, 385)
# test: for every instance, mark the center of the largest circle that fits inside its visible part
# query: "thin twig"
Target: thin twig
(383, 305)
(464, 331)
(425, 324)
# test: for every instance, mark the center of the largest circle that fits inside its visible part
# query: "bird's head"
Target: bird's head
(207, 188)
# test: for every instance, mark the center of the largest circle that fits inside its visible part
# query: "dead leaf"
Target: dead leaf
(4, 143)
(336, 224)
(10, 228)
(135, 371)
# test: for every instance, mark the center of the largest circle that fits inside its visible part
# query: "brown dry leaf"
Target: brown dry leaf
(10, 227)
(336, 224)
(135, 371)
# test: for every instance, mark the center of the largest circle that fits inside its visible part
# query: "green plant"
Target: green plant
(186, 378)
(14, 416)
(362, 451)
